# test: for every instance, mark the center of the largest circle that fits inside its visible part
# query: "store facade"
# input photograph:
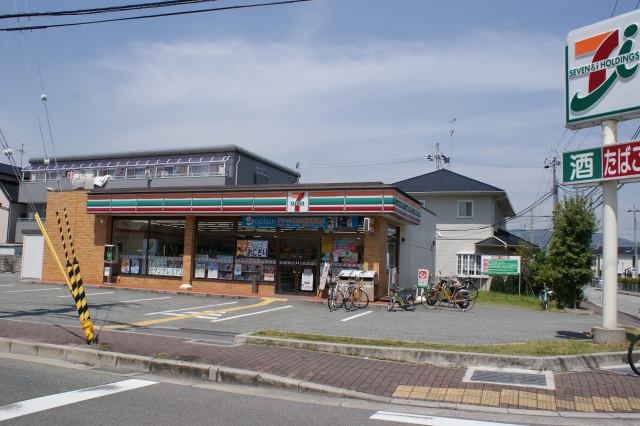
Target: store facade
(261, 239)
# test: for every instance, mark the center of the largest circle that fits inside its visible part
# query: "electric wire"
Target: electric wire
(110, 9)
(156, 15)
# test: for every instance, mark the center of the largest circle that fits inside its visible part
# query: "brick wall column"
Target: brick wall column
(189, 248)
(89, 232)
(375, 254)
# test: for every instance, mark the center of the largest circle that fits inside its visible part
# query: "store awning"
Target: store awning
(298, 200)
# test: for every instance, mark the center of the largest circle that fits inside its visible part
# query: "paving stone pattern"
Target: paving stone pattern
(588, 391)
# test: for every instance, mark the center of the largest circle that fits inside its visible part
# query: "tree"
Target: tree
(568, 265)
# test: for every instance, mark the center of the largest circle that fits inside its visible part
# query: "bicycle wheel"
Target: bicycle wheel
(392, 304)
(409, 304)
(338, 299)
(463, 300)
(360, 298)
(431, 298)
(633, 355)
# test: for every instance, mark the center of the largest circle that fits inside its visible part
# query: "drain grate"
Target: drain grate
(522, 378)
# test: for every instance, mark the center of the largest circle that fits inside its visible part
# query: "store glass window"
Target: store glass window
(392, 246)
(215, 248)
(165, 247)
(255, 259)
(130, 235)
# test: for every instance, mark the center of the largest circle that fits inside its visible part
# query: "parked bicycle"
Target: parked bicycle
(545, 297)
(335, 298)
(469, 284)
(448, 291)
(354, 295)
(402, 297)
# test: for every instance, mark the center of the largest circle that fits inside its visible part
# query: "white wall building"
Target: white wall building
(469, 222)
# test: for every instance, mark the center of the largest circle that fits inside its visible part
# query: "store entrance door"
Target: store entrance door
(298, 265)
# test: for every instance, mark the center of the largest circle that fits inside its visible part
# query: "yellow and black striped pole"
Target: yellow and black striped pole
(73, 272)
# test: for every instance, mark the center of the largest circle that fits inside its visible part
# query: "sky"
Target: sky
(353, 90)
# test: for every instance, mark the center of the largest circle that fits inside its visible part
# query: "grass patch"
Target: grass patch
(503, 299)
(534, 348)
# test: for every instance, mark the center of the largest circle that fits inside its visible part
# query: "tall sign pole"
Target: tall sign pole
(635, 240)
(602, 84)
(610, 238)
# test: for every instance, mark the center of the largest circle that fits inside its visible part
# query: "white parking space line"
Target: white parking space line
(190, 309)
(7, 285)
(93, 294)
(356, 316)
(253, 313)
(145, 300)
(38, 289)
(417, 419)
(35, 405)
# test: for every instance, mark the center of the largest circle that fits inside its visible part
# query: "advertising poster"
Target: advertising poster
(345, 251)
(212, 270)
(252, 248)
(324, 275)
(124, 266)
(134, 265)
(200, 268)
(269, 273)
(237, 270)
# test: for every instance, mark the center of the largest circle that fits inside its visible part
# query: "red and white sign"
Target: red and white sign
(298, 202)
(423, 277)
(621, 160)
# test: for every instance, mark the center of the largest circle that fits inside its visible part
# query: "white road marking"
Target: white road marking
(209, 317)
(39, 289)
(191, 308)
(356, 316)
(417, 419)
(253, 313)
(35, 405)
(93, 294)
(7, 285)
(144, 300)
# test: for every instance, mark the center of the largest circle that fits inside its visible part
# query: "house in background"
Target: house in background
(470, 221)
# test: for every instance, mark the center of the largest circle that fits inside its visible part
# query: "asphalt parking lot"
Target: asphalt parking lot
(216, 319)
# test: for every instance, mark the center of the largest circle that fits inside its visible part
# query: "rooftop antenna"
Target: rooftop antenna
(438, 157)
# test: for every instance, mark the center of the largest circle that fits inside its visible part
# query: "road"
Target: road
(627, 303)
(216, 320)
(59, 393)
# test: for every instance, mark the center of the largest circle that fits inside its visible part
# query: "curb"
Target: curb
(447, 358)
(220, 374)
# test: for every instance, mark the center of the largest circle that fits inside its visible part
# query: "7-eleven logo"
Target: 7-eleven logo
(298, 202)
(607, 66)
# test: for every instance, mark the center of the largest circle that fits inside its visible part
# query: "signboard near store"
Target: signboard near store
(423, 278)
(500, 265)
(331, 223)
(298, 201)
(608, 162)
(307, 280)
(601, 72)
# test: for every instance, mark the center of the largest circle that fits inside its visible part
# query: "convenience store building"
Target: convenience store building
(266, 239)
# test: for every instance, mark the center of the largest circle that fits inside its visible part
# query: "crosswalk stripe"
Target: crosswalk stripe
(417, 419)
(43, 403)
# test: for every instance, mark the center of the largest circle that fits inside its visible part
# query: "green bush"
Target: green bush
(629, 280)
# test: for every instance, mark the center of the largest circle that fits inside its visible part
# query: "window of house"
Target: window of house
(465, 208)
(469, 265)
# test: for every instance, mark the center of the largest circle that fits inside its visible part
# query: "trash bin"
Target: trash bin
(370, 283)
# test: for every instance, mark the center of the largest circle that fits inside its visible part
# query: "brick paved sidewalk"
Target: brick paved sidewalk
(589, 391)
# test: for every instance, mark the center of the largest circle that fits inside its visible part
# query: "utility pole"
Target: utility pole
(21, 151)
(438, 157)
(552, 163)
(635, 244)
(451, 142)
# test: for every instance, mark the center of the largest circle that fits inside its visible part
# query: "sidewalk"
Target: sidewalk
(594, 391)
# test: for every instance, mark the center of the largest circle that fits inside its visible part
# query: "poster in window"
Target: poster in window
(237, 270)
(200, 268)
(134, 265)
(124, 265)
(212, 270)
(345, 251)
(269, 273)
(252, 248)
(241, 248)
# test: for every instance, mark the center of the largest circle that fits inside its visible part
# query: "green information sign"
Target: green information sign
(582, 166)
(501, 265)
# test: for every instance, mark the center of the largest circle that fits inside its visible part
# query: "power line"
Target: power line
(157, 15)
(111, 9)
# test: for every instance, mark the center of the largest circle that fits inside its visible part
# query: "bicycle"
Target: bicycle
(403, 298)
(445, 290)
(354, 295)
(335, 298)
(545, 296)
(469, 284)
(633, 355)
